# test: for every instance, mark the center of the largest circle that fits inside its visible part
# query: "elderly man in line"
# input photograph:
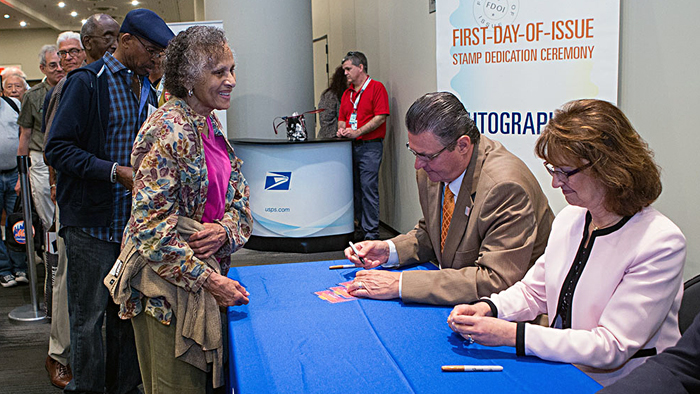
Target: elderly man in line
(90, 151)
(97, 36)
(14, 83)
(31, 139)
(72, 56)
(13, 265)
(485, 217)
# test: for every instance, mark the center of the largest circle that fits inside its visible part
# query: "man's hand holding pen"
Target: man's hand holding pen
(374, 254)
(372, 284)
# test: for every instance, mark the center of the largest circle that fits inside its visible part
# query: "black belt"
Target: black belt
(8, 171)
(360, 142)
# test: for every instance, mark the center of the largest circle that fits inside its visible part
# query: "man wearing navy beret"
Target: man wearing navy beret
(90, 149)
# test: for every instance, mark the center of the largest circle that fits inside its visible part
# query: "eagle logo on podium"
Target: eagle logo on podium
(277, 180)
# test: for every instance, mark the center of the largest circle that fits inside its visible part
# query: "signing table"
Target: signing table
(288, 340)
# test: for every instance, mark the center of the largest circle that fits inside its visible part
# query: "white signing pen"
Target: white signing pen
(352, 245)
(472, 368)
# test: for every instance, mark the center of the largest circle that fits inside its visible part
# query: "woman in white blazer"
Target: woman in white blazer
(610, 278)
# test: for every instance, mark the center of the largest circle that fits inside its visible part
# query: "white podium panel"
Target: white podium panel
(298, 190)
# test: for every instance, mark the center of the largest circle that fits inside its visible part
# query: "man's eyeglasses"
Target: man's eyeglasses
(427, 158)
(53, 66)
(156, 54)
(72, 52)
(564, 175)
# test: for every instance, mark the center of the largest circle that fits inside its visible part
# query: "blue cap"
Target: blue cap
(147, 24)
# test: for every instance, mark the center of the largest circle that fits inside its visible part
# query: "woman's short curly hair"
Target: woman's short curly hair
(190, 55)
(596, 131)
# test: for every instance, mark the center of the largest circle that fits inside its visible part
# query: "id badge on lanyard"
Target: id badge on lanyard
(353, 116)
(353, 120)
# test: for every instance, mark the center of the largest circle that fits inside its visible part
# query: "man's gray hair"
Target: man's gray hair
(68, 35)
(44, 50)
(356, 58)
(442, 114)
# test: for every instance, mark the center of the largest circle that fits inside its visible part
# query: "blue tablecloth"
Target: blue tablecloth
(287, 340)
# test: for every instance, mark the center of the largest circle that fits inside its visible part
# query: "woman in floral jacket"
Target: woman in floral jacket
(184, 166)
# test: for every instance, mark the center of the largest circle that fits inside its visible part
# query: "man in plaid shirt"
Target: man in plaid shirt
(91, 150)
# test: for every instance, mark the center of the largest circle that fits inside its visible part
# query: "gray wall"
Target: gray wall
(274, 65)
(22, 47)
(659, 92)
(659, 89)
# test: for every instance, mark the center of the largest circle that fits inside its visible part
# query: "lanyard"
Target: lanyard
(145, 90)
(357, 101)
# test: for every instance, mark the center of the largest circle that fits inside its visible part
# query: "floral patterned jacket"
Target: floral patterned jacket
(170, 180)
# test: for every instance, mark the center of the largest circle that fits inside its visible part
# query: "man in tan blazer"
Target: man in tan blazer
(500, 217)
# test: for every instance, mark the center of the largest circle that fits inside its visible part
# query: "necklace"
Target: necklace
(596, 227)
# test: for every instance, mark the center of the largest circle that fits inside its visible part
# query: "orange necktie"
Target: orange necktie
(448, 206)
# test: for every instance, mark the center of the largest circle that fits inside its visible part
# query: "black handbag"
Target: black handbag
(15, 235)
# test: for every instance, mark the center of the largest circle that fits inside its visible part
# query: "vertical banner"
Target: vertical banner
(513, 62)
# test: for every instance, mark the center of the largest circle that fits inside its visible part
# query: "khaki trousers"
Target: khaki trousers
(161, 372)
(59, 341)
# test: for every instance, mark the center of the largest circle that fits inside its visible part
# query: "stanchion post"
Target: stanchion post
(28, 313)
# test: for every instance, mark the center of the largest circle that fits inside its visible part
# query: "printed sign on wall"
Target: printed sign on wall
(513, 62)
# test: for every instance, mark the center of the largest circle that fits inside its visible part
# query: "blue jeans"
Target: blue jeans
(89, 261)
(10, 262)
(366, 158)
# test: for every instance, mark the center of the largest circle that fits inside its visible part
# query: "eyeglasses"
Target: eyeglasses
(156, 54)
(427, 158)
(72, 52)
(564, 175)
(53, 66)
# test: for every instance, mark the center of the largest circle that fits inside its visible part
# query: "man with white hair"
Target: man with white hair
(14, 83)
(11, 263)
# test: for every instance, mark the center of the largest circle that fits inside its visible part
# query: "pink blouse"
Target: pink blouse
(219, 172)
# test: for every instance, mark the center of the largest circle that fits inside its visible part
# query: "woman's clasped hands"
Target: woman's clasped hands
(475, 323)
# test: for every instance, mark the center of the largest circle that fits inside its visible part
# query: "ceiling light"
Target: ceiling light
(7, 16)
(73, 14)
(82, 21)
(23, 23)
(134, 2)
(61, 4)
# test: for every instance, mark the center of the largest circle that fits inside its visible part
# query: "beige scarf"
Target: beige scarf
(198, 335)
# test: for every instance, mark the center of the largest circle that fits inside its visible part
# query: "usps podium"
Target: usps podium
(300, 193)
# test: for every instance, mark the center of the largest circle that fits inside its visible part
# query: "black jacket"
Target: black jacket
(675, 370)
(76, 149)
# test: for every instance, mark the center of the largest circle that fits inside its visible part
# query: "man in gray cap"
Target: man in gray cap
(90, 151)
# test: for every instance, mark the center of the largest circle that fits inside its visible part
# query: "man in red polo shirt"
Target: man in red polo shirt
(363, 111)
